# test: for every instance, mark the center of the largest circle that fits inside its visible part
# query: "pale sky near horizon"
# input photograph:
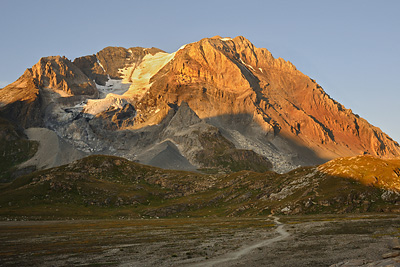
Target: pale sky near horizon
(350, 47)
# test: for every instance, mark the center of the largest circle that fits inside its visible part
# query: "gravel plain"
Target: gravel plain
(320, 240)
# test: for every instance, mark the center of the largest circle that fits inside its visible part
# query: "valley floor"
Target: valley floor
(320, 240)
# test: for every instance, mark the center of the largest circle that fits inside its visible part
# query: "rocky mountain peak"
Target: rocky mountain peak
(224, 87)
(227, 78)
(59, 73)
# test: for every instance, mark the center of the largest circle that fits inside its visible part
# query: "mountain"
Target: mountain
(219, 105)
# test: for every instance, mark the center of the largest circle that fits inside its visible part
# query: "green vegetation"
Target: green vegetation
(113, 187)
(14, 149)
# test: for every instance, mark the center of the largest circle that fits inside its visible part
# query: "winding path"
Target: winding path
(245, 250)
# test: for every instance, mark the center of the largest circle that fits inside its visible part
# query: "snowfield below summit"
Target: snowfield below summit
(134, 84)
(139, 76)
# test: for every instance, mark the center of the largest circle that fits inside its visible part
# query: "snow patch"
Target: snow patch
(98, 62)
(135, 83)
(115, 86)
(226, 39)
(96, 106)
(261, 70)
(182, 47)
(248, 67)
(110, 95)
(139, 76)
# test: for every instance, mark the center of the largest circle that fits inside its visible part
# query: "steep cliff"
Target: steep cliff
(26, 99)
(21, 102)
(59, 73)
(223, 79)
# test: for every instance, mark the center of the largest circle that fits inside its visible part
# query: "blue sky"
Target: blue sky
(350, 47)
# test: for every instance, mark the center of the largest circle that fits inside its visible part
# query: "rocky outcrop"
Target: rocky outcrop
(205, 146)
(21, 102)
(58, 73)
(218, 152)
(167, 156)
(184, 117)
(25, 101)
(91, 67)
(115, 118)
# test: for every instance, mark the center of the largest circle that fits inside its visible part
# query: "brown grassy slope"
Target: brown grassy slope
(14, 149)
(366, 169)
(105, 186)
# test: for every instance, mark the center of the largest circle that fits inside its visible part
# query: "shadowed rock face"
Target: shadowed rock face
(114, 118)
(214, 89)
(92, 69)
(20, 101)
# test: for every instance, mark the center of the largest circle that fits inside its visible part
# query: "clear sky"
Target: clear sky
(350, 47)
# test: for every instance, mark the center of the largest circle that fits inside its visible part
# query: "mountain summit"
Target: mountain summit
(207, 98)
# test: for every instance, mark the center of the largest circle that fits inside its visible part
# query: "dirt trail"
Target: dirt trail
(247, 249)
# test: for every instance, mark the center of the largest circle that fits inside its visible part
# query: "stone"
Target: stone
(391, 255)
(115, 118)
(59, 73)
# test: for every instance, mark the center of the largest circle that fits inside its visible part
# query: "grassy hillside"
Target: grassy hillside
(366, 169)
(14, 149)
(105, 186)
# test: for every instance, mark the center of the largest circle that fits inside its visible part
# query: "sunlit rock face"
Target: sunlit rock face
(126, 102)
(222, 77)
(58, 73)
(25, 100)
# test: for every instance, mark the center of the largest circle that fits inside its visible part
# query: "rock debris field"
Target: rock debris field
(318, 240)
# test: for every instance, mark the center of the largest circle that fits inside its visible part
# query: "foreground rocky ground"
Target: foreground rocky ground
(286, 241)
